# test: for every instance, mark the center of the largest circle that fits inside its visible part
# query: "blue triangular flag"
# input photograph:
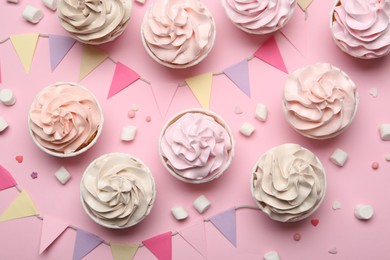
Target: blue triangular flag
(239, 74)
(59, 47)
(225, 222)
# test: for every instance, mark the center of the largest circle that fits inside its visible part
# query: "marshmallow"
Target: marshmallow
(13, 1)
(339, 157)
(128, 133)
(62, 175)
(201, 204)
(7, 97)
(134, 107)
(364, 212)
(3, 124)
(385, 132)
(179, 213)
(261, 112)
(272, 255)
(238, 110)
(247, 129)
(32, 14)
(51, 4)
(387, 157)
(336, 205)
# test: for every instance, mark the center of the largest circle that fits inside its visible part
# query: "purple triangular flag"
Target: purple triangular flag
(239, 74)
(59, 47)
(85, 243)
(225, 222)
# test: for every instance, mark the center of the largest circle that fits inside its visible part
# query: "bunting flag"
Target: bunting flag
(122, 251)
(225, 222)
(0, 73)
(51, 229)
(21, 207)
(201, 88)
(85, 243)
(59, 47)
(269, 52)
(304, 4)
(239, 74)
(91, 57)
(123, 77)
(24, 45)
(160, 245)
(195, 235)
(6, 179)
(163, 95)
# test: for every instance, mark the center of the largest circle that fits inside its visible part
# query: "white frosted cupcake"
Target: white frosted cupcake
(117, 190)
(288, 183)
(65, 119)
(361, 28)
(196, 146)
(259, 16)
(94, 22)
(178, 34)
(320, 101)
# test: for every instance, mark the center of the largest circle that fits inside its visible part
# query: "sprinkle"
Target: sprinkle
(19, 158)
(315, 221)
(134, 107)
(131, 114)
(34, 175)
(148, 119)
(238, 110)
(336, 205)
(374, 92)
(375, 165)
(332, 250)
(297, 237)
(387, 157)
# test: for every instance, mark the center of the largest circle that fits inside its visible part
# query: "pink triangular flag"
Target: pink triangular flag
(51, 229)
(239, 74)
(59, 47)
(195, 235)
(0, 72)
(6, 179)
(160, 245)
(270, 53)
(85, 243)
(123, 77)
(225, 222)
(163, 95)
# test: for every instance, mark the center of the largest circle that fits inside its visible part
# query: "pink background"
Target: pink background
(355, 183)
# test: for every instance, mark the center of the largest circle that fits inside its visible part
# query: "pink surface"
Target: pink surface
(355, 183)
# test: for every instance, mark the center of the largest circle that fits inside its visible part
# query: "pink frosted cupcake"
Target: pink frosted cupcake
(259, 16)
(361, 28)
(320, 101)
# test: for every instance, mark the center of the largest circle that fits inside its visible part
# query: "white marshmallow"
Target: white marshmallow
(13, 1)
(3, 124)
(179, 213)
(339, 157)
(51, 4)
(32, 14)
(201, 204)
(261, 112)
(364, 212)
(385, 132)
(7, 97)
(134, 107)
(272, 255)
(128, 133)
(336, 205)
(62, 175)
(247, 129)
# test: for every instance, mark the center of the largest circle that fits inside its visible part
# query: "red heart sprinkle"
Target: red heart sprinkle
(19, 158)
(315, 221)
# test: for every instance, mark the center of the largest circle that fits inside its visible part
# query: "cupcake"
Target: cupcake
(196, 146)
(117, 190)
(178, 34)
(288, 183)
(361, 28)
(65, 119)
(259, 16)
(94, 22)
(320, 101)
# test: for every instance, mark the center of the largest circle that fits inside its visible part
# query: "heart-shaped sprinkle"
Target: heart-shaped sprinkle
(238, 110)
(332, 250)
(19, 158)
(336, 205)
(315, 221)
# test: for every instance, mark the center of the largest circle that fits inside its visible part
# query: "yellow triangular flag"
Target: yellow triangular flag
(201, 88)
(24, 45)
(304, 4)
(90, 59)
(122, 251)
(21, 207)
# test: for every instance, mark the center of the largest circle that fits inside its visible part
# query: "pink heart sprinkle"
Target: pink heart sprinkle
(19, 158)
(315, 221)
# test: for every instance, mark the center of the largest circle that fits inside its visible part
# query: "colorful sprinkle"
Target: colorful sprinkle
(131, 114)
(315, 221)
(238, 110)
(134, 107)
(332, 250)
(336, 205)
(34, 175)
(148, 119)
(375, 165)
(297, 237)
(19, 158)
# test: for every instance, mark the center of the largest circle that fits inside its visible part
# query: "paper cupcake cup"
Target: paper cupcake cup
(209, 177)
(81, 150)
(105, 223)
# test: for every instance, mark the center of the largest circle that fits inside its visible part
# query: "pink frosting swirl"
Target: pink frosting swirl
(178, 33)
(196, 146)
(65, 117)
(259, 16)
(361, 27)
(320, 101)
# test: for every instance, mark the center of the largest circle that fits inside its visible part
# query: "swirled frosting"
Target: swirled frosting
(196, 146)
(320, 101)
(117, 190)
(64, 118)
(178, 33)
(288, 183)
(361, 28)
(94, 21)
(259, 16)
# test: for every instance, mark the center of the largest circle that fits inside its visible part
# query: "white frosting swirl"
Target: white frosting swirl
(288, 183)
(320, 101)
(94, 21)
(259, 16)
(117, 190)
